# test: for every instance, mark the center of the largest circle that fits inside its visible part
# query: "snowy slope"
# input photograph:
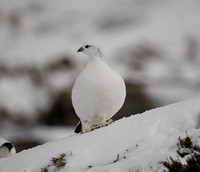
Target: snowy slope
(141, 141)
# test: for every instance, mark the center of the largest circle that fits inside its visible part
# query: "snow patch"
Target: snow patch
(138, 142)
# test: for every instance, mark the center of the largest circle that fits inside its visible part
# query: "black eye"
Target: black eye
(87, 46)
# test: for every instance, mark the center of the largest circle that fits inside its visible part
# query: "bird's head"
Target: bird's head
(90, 50)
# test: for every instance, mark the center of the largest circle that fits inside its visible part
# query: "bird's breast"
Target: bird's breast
(98, 89)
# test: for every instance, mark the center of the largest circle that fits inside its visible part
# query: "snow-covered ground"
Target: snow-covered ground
(136, 143)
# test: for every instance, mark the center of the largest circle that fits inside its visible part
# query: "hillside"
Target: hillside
(136, 143)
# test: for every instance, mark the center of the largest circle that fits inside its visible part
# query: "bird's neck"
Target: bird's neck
(98, 58)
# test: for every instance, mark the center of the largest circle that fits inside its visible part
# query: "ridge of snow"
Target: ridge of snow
(142, 141)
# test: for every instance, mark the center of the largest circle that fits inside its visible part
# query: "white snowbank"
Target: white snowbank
(141, 141)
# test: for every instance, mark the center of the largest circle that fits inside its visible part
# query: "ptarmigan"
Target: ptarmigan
(6, 148)
(98, 92)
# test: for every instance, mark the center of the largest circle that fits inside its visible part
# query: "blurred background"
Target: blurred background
(153, 44)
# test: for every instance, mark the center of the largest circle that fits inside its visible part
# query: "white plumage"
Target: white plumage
(98, 92)
(6, 148)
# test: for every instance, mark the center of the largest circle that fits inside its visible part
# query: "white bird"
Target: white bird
(98, 92)
(6, 148)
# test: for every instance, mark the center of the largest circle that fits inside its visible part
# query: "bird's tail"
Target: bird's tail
(78, 128)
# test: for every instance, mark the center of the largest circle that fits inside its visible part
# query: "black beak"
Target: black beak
(80, 49)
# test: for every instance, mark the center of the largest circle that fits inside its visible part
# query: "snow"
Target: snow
(39, 133)
(142, 141)
(26, 102)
